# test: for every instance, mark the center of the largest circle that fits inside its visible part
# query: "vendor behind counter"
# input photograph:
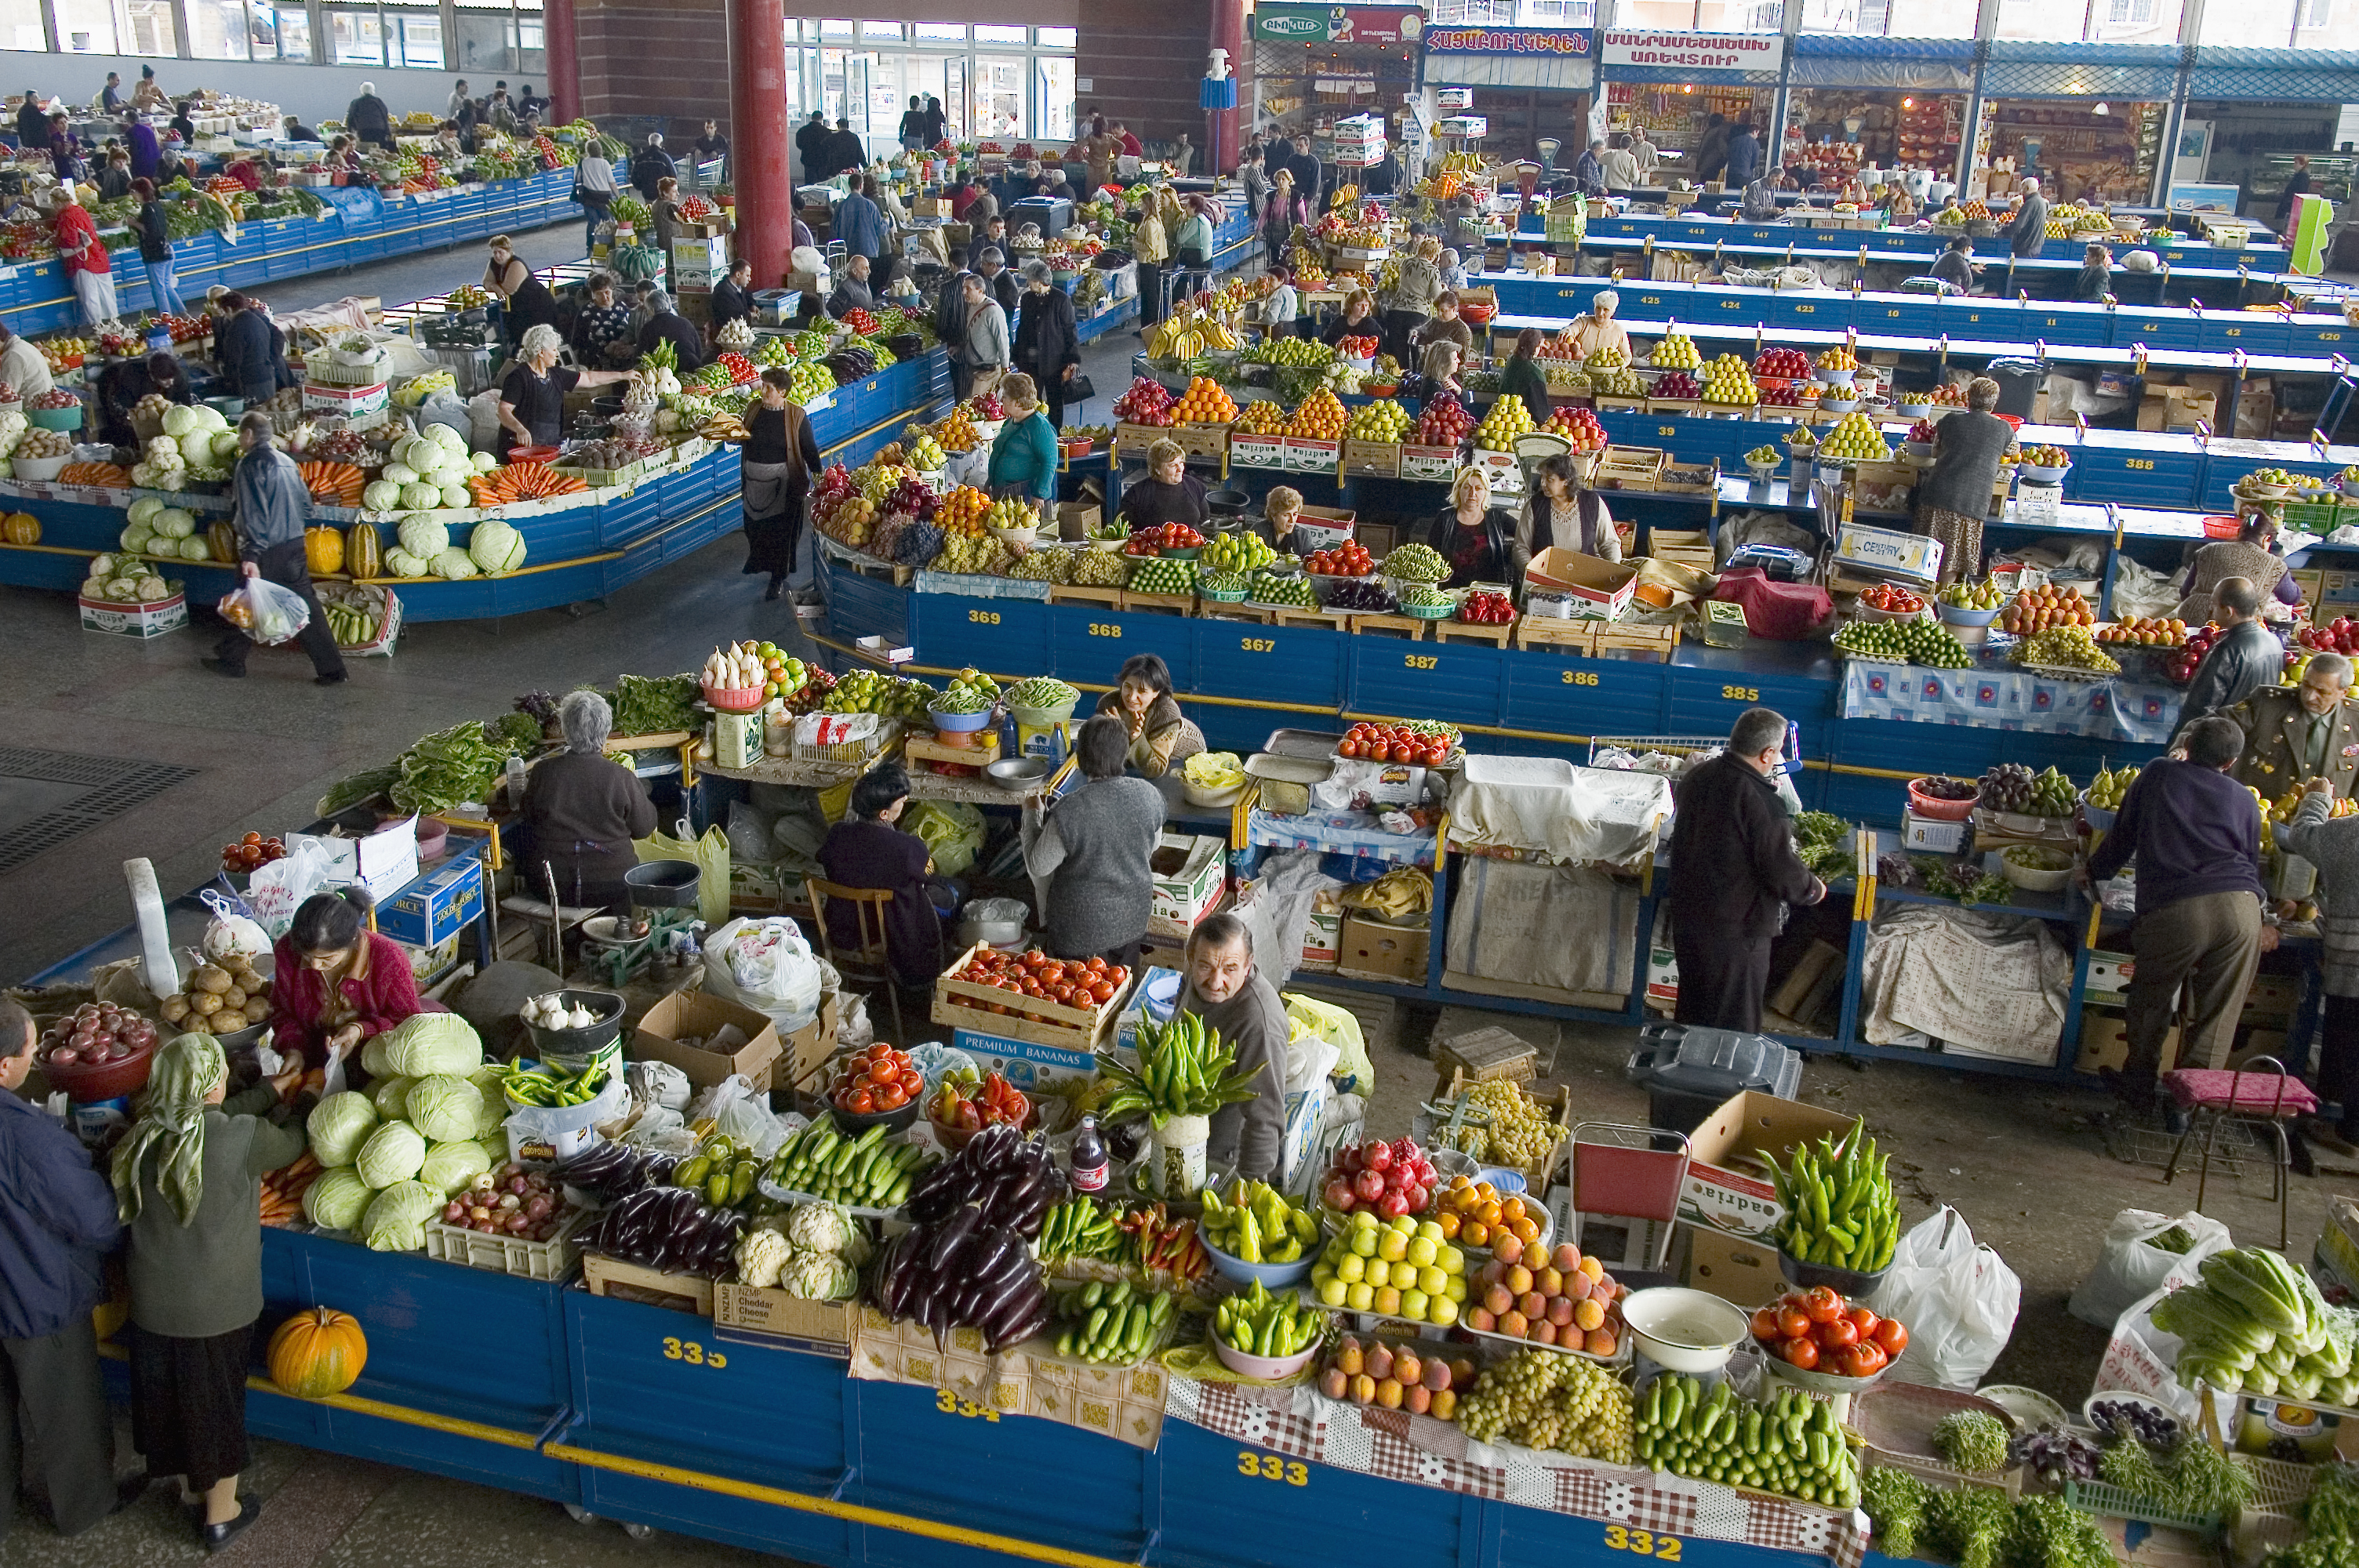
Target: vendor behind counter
(1169, 493)
(1227, 989)
(336, 984)
(866, 850)
(1160, 737)
(584, 812)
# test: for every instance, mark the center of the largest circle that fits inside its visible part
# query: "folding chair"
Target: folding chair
(2214, 1096)
(1619, 1174)
(870, 960)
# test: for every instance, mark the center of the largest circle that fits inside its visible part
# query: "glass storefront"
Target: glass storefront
(994, 80)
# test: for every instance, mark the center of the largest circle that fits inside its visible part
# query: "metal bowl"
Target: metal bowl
(1018, 775)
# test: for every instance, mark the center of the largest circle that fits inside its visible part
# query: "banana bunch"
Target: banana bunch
(1175, 338)
(1461, 163)
(1184, 1069)
(1345, 195)
(547, 1086)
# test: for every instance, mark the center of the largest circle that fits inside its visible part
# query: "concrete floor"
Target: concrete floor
(2025, 1164)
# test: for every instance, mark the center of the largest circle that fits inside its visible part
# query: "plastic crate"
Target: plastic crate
(2113, 1502)
(861, 751)
(551, 1260)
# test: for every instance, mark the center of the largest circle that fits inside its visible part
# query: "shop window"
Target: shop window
(482, 41)
(149, 29)
(1893, 18)
(357, 37)
(834, 28)
(1053, 85)
(416, 40)
(1478, 12)
(20, 26)
(882, 32)
(290, 31)
(999, 35)
(2255, 23)
(941, 32)
(1056, 38)
(1555, 13)
(85, 26)
(217, 29)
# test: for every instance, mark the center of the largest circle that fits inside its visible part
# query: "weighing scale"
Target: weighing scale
(663, 904)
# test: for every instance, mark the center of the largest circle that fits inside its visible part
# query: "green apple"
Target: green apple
(1359, 1298)
(1413, 1304)
(1362, 1219)
(1443, 1310)
(1404, 1224)
(1352, 1268)
(1432, 1280)
(1429, 1231)
(1392, 1246)
(1422, 1252)
(1333, 1292)
(1363, 1242)
(1452, 1259)
(1377, 1273)
(1454, 1287)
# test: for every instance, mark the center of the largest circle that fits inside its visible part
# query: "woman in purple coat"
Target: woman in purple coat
(865, 850)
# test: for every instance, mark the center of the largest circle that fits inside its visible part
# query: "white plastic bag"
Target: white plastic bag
(1959, 1301)
(2129, 1268)
(741, 1111)
(657, 1084)
(2140, 1358)
(232, 933)
(767, 966)
(265, 611)
(276, 890)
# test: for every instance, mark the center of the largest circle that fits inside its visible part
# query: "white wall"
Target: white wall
(312, 92)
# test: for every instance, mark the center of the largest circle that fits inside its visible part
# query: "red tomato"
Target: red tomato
(1869, 1356)
(1838, 1331)
(891, 1096)
(1821, 1303)
(1765, 1325)
(1792, 1323)
(1096, 966)
(911, 1081)
(1863, 1320)
(1348, 748)
(1802, 1353)
(1100, 991)
(863, 1103)
(1891, 1336)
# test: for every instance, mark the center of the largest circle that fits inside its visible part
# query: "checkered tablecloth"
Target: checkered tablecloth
(2011, 699)
(1399, 1447)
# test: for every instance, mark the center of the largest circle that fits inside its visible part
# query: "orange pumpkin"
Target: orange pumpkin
(222, 539)
(323, 551)
(317, 1353)
(21, 528)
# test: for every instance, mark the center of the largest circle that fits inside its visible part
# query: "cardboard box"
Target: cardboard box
(1323, 935)
(2271, 998)
(1733, 1268)
(1931, 835)
(1725, 1191)
(808, 1049)
(1886, 551)
(775, 1314)
(363, 405)
(1026, 1064)
(1370, 949)
(384, 861)
(436, 906)
(1076, 518)
(692, 1015)
(1662, 979)
(2104, 1043)
(143, 620)
(2176, 408)
(2111, 971)
(649, 1287)
(1187, 895)
(2257, 409)
(701, 252)
(1598, 589)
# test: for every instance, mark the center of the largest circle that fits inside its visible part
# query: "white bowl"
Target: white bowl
(1269, 1369)
(1685, 1331)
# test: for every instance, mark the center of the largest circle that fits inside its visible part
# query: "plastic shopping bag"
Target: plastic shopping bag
(2132, 1265)
(766, 966)
(265, 611)
(1959, 1301)
(710, 854)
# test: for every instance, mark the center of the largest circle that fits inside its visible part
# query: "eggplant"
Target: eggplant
(1023, 1328)
(897, 1274)
(993, 1304)
(1014, 1307)
(948, 1237)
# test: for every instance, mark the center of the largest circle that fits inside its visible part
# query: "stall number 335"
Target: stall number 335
(695, 1355)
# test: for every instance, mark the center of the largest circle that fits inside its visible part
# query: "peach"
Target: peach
(1334, 1383)
(1408, 1367)
(1389, 1394)
(1364, 1390)
(1498, 1299)
(1544, 1332)
(1603, 1341)
(1379, 1362)
(1519, 1279)
(1568, 1256)
(1513, 1325)
(1578, 1286)
(1508, 1250)
(1482, 1318)
(1437, 1375)
(1349, 1356)
(1605, 1287)
(1548, 1279)
(1461, 1372)
(1417, 1398)
(1493, 1273)
(1592, 1266)
(1445, 1404)
(1532, 1304)
(1570, 1338)
(1559, 1310)
(1588, 1315)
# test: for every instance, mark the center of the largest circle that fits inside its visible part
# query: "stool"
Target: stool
(1179, 282)
(2272, 1098)
(1624, 1172)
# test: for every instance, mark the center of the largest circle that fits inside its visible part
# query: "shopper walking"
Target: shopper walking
(860, 224)
(778, 461)
(1955, 498)
(57, 1226)
(188, 1186)
(991, 265)
(2301, 734)
(2247, 657)
(1711, 149)
(1410, 302)
(245, 351)
(2028, 231)
(913, 124)
(83, 256)
(156, 250)
(368, 119)
(1734, 872)
(811, 144)
(270, 505)
(1092, 848)
(1023, 453)
(1047, 345)
(2197, 836)
(982, 346)
(2331, 844)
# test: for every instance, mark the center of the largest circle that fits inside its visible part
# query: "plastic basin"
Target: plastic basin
(606, 1007)
(1273, 1276)
(1934, 806)
(1851, 1283)
(733, 699)
(1682, 1330)
(1269, 1369)
(1960, 615)
(86, 1082)
(960, 723)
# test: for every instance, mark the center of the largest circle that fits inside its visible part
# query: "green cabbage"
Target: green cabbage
(381, 496)
(335, 1201)
(443, 1106)
(391, 1097)
(449, 1166)
(179, 421)
(433, 1043)
(396, 1220)
(492, 1113)
(495, 546)
(338, 1126)
(392, 1154)
(373, 1060)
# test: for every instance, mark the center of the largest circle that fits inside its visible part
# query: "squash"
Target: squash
(361, 552)
(317, 1353)
(323, 551)
(21, 528)
(221, 541)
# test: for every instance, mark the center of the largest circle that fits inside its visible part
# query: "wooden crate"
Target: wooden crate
(1239, 611)
(1455, 631)
(1317, 619)
(1158, 603)
(1560, 1107)
(1560, 637)
(1484, 1054)
(1131, 440)
(649, 1287)
(775, 1314)
(1614, 476)
(969, 1004)
(882, 571)
(926, 748)
(1689, 479)
(1409, 628)
(1671, 405)
(1371, 460)
(1641, 644)
(1079, 593)
(1604, 404)
(1647, 459)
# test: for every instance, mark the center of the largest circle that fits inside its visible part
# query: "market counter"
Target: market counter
(1682, 230)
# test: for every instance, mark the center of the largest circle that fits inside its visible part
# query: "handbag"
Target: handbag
(1079, 389)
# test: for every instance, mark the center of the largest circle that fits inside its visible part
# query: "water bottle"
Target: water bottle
(515, 784)
(1091, 1159)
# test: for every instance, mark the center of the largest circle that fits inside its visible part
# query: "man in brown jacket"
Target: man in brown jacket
(2291, 737)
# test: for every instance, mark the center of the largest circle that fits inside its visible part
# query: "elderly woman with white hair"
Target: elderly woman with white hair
(583, 812)
(532, 398)
(1599, 329)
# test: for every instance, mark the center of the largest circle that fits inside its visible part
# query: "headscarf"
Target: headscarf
(172, 1125)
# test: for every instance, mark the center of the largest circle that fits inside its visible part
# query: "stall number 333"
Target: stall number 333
(1271, 1468)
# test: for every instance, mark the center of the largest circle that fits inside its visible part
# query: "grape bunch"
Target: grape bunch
(1541, 1399)
(1100, 569)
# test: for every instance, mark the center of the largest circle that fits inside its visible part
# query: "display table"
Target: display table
(2113, 710)
(1687, 230)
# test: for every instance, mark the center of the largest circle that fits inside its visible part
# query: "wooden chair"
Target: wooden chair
(871, 961)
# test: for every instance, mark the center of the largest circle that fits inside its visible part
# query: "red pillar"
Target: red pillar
(562, 42)
(759, 142)
(1228, 33)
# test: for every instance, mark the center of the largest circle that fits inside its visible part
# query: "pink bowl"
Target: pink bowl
(734, 699)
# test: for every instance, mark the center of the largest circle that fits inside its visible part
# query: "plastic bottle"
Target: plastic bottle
(515, 784)
(1090, 1158)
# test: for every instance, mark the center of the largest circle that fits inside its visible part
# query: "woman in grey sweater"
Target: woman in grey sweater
(1953, 500)
(1095, 845)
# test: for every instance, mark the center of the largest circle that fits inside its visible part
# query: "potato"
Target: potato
(258, 1010)
(233, 997)
(210, 978)
(206, 1003)
(175, 1009)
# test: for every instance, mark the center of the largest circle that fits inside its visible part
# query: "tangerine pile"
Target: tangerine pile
(956, 433)
(1473, 1213)
(1204, 404)
(1320, 418)
(963, 511)
(2146, 631)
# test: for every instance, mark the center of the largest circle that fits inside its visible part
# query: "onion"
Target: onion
(538, 1207)
(509, 1202)
(516, 1184)
(455, 1213)
(64, 1057)
(479, 1214)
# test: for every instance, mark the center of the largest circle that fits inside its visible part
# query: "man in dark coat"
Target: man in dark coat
(368, 119)
(1734, 869)
(667, 324)
(810, 139)
(1047, 344)
(246, 350)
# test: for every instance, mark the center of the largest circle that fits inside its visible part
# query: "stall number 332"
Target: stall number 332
(1642, 1543)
